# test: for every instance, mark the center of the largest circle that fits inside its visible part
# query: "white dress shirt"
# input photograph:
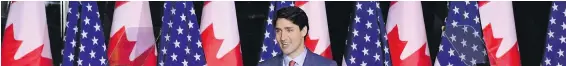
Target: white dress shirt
(299, 60)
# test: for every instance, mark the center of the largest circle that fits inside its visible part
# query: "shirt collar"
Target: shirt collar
(299, 60)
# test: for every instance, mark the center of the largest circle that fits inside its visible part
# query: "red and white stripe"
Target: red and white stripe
(132, 42)
(26, 41)
(499, 33)
(318, 38)
(406, 34)
(219, 34)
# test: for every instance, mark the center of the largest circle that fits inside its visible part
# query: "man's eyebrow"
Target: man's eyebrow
(288, 27)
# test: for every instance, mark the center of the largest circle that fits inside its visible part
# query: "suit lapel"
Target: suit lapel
(309, 59)
(279, 60)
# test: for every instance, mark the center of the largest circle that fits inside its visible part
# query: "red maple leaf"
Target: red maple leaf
(120, 49)
(418, 58)
(481, 3)
(211, 45)
(311, 45)
(120, 3)
(393, 3)
(300, 3)
(11, 45)
(511, 58)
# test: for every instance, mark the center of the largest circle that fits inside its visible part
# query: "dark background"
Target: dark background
(531, 19)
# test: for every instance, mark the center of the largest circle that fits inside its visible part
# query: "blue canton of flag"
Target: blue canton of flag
(270, 47)
(462, 43)
(383, 35)
(92, 49)
(555, 43)
(71, 30)
(180, 37)
(90, 40)
(366, 45)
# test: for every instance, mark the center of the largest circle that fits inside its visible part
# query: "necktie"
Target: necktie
(292, 63)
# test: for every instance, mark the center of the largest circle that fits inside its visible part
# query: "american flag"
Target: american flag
(367, 45)
(71, 30)
(92, 49)
(91, 43)
(462, 43)
(179, 42)
(554, 53)
(270, 48)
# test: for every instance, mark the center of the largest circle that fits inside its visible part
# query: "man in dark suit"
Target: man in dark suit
(291, 27)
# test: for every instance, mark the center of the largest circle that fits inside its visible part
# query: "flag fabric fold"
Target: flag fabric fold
(406, 34)
(318, 38)
(132, 40)
(70, 37)
(554, 48)
(365, 46)
(92, 46)
(462, 43)
(219, 34)
(26, 40)
(180, 38)
(498, 27)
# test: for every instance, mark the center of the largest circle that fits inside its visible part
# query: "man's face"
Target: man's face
(289, 36)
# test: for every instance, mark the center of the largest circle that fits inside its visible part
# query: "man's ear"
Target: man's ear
(304, 31)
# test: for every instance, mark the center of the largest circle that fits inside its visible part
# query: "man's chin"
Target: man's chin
(286, 52)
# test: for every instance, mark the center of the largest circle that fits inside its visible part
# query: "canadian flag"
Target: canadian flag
(318, 39)
(406, 34)
(219, 34)
(499, 33)
(26, 42)
(132, 42)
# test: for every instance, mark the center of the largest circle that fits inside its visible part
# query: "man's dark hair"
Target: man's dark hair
(294, 14)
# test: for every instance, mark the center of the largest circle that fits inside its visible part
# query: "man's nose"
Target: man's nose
(284, 36)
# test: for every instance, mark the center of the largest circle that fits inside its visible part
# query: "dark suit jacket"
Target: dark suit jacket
(311, 59)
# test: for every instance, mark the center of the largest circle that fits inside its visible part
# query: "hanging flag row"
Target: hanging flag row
(468, 39)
